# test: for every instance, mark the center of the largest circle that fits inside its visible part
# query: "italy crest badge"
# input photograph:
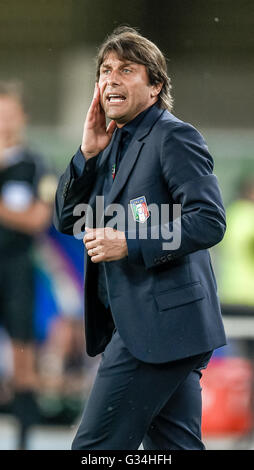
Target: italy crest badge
(139, 209)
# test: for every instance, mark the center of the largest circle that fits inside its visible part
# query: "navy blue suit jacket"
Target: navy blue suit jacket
(164, 303)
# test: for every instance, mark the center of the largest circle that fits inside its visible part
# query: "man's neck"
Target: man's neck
(120, 125)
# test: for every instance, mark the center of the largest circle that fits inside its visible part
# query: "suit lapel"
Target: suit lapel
(125, 169)
(106, 152)
(101, 172)
(130, 159)
(133, 152)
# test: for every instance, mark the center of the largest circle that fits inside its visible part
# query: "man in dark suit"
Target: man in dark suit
(151, 304)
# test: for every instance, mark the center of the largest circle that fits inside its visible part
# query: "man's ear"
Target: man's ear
(156, 89)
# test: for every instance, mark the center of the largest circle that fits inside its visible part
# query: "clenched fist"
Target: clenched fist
(105, 244)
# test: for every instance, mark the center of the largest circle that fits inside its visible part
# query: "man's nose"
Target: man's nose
(114, 78)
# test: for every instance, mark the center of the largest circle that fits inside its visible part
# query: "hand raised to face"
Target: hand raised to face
(96, 135)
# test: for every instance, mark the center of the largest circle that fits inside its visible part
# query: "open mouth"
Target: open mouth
(115, 98)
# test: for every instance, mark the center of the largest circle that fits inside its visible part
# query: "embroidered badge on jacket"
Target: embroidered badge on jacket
(139, 209)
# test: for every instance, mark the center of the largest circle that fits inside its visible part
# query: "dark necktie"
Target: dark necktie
(102, 284)
(118, 149)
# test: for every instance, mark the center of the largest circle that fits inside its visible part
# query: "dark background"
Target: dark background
(209, 46)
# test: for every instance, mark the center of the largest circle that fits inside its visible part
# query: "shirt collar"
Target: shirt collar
(132, 126)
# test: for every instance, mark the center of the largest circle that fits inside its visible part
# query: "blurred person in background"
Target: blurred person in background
(26, 194)
(237, 253)
(236, 291)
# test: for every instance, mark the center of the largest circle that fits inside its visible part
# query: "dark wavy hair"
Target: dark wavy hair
(130, 45)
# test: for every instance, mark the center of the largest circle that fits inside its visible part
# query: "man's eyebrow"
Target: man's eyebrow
(128, 62)
(123, 64)
(104, 64)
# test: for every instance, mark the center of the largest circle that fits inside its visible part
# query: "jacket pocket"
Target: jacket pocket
(180, 296)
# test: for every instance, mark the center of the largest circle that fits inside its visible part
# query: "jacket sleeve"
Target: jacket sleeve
(187, 168)
(74, 187)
